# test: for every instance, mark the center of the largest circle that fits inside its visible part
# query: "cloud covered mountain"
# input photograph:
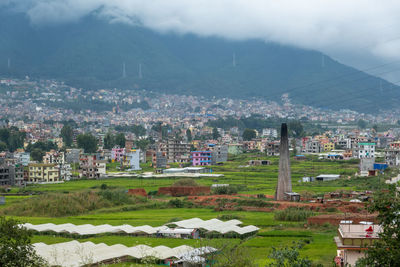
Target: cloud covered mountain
(91, 52)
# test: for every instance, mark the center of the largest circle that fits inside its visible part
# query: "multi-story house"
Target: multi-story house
(329, 146)
(91, 167)
(54, 157)
(353, 239)
(72, 155)
(131, 160)
(160, 159)
(176, 149)
(42, 172)
(270, 132)
(10, 174)
(201, 158)
(219, 154)
(117, 154)
(392, 154)
(23, 158)
(364, 150)
(273, 148)
(313, 146)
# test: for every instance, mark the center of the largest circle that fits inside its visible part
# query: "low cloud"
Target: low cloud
(357, 32)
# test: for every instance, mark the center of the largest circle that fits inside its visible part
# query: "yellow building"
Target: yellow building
(329, 146)
(40, 172)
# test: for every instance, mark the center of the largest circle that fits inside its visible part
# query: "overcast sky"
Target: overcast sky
(361, 33)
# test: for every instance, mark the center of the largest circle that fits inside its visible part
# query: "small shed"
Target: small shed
(292, 196)
(307, 179)
(2, 200)
(300, 157)
(327, 177)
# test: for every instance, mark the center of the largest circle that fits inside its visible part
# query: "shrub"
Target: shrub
(227, 217)
(152, 193)
(176, 203)
(293, 214)
(225, 190)
(117, 197)
(254, 203)
(331, 209)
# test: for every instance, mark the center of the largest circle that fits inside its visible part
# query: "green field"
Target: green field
(252, 180)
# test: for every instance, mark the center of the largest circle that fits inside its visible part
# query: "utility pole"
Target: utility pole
(140, 71)
(123, 71)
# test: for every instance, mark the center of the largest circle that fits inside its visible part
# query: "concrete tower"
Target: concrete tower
(284, 178)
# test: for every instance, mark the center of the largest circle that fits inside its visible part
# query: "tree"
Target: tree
(142, 144)
(3, 146)
(12, 137)
(120, 140)
(215, 133)
(249, 134)
(15, 246)
(295, 129)
(88, 142)
(67, 135)
(37, 154)
(108, 141)
(44, 146)
(386, 250)
(362, 124)
(189, 135)
(288, 257)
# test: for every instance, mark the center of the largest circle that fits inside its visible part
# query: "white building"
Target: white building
(364, 150)
(270, 132)
(131, 160)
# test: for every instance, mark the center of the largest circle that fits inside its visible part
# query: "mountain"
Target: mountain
(91, 54)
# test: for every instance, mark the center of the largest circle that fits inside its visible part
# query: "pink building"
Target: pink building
(117, 154)
(201, 158)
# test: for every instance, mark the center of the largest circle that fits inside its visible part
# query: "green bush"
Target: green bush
(224, 190)
(227, 217)
(117, 197)
(293, 214)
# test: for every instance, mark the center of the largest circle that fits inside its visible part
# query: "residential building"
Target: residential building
(201, 158)
(364, 150)
(176, 149)
(65, 172)
(23, 158)
(329, 146)
(313, 146)
(42, 172)
(352, 239)
(54, 157)
(72, 155)
(10, 174)
(273, 148)
(91, 167)
(392, 154)
(160, 159)
(270, 132)
(131, 160)
(117, 154)
(219, 154)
